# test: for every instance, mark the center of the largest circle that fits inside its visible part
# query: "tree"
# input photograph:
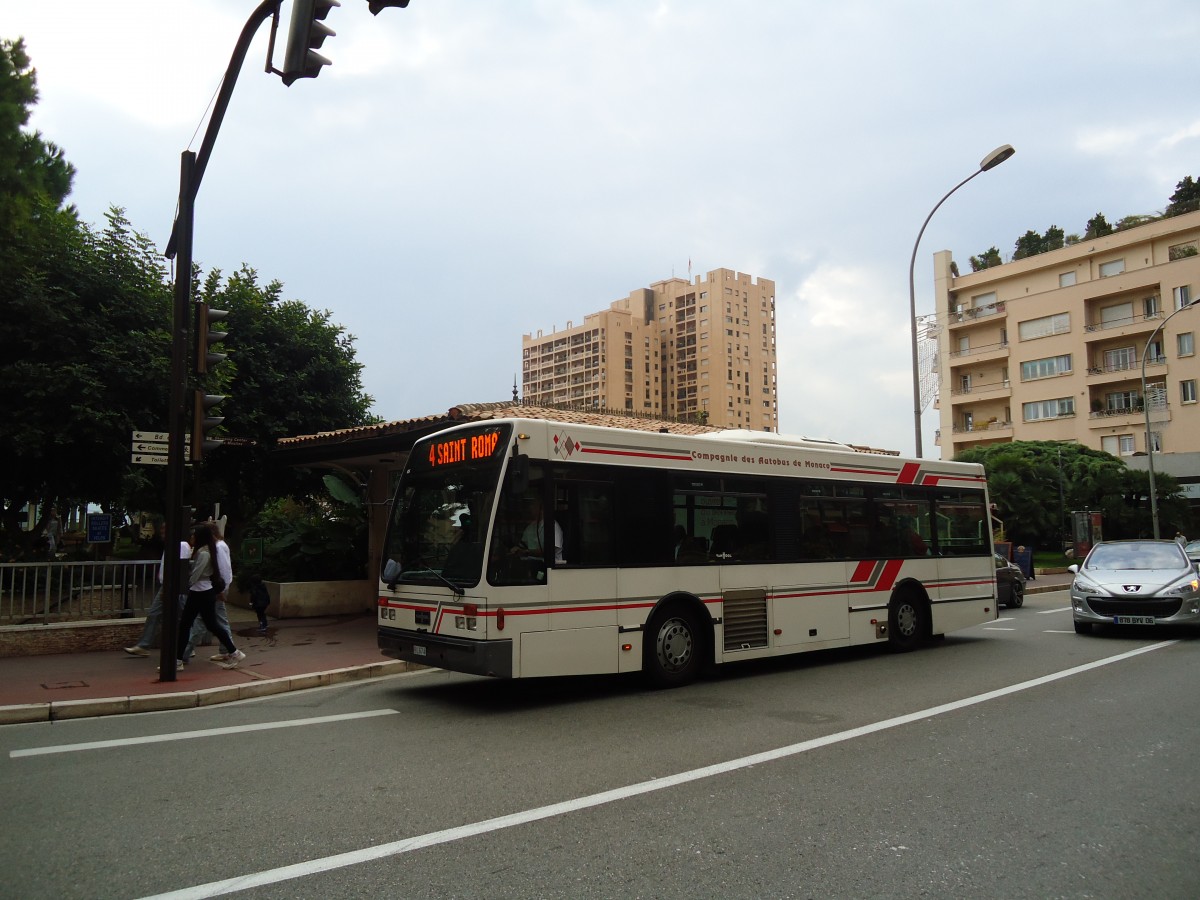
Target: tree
(85, 347)
(291, 370)
(33, 171)
(1025, 479)
(985, 260)
(1097, 226)
(1186, 197)
(1031, 243)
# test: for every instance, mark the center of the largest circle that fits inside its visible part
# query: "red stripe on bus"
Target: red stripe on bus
(633, 454)
(908, 474)
(862, 572)
(890, 570)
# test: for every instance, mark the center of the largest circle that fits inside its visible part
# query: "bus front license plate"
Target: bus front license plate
(418, 650)
(1135, 620)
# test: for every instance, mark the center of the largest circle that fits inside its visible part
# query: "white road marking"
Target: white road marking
(448, 835)
(1047, 612)
(993, 628)
(189, 735)
(1057, 631)
(1007, 619)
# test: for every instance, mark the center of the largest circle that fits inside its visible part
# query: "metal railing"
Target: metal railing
(38, 593)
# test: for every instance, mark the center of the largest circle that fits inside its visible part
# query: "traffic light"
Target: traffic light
(202, 423)
(376, 5)
(205, 338)
(306, 33)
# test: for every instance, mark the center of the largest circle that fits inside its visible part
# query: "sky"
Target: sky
(469, 171)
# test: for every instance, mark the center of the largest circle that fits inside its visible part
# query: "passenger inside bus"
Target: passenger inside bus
(533, 537)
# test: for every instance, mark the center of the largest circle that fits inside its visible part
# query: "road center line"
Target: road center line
(189, 735)
(419, 842)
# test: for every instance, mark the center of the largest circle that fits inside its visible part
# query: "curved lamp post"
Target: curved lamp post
(993, 159)
(1146, 409)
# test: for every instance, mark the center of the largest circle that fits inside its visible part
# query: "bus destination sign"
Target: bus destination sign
(470, 448)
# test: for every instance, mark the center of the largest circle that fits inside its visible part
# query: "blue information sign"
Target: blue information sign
(99, 528)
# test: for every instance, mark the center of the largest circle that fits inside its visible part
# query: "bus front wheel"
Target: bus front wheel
(907, 622)
(672, 653)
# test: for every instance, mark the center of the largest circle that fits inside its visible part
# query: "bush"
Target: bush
(321, 539)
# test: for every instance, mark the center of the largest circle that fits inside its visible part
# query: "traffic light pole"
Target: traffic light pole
(179, 248)
(176, 516)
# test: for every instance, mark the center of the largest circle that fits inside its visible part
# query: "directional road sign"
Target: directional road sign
(149, 459)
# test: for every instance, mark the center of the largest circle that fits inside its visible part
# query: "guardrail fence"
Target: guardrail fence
(45, 592)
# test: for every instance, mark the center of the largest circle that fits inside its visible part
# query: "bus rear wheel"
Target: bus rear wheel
(907, 622)
(672, 653)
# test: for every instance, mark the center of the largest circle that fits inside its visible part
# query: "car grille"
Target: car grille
(1155, 606)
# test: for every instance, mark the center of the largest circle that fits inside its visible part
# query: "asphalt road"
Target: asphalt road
(1016, 759)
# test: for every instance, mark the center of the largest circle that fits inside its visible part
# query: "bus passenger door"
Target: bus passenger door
(583, 636)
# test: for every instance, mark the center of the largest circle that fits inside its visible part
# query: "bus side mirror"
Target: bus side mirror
(518, 475)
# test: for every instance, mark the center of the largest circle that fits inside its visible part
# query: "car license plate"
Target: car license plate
(1134, 620)
(418, 650)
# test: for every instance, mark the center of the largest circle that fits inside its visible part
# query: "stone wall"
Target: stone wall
(300, 599)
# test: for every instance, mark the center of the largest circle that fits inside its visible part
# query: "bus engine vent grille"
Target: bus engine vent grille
(745, 618)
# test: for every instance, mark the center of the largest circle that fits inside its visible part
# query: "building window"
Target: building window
(981, 300)
(1112, 267)
(1066, 279)
(1120, 359)
(1182, 296)
(1046, 368)
(1185, 344)
(1122, 401)
(1125, 442)
(1182, 251)
(1150, 307)
(1187, 391)
(1048, 409)
(1059, 323)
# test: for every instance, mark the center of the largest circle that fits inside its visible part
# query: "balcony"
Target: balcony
(1129, 416)
(1125, 325)
(961, 317)
(990, 427)
(989, 390)
(979, 354)
(1115, 372)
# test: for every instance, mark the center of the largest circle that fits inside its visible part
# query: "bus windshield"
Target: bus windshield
(442, 508)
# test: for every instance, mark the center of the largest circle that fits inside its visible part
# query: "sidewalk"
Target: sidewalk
(294, 654)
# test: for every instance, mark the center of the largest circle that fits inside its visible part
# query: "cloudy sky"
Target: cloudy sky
(468, 171)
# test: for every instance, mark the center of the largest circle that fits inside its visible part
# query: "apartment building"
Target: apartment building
(701, 350)
(1054, 346)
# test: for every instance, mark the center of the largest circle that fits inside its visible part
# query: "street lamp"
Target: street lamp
(1146, 410)
(993, 159)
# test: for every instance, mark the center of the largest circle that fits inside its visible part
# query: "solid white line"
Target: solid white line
(992, 628)
(1046, 612)
(419, 842)
(188, 735)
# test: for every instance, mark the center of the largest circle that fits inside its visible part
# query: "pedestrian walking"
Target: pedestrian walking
(154, 614)
(202, 598)
(1180, 539)
(260, 599)
(224, 568)
(53, 533)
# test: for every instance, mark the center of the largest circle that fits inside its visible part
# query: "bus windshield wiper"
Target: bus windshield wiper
(439, 576)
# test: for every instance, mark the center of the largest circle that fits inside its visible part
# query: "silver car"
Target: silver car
(1135, 583)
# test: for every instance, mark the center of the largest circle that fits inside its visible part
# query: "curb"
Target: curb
(61, 710)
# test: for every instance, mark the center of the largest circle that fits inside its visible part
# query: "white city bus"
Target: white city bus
(521, 548)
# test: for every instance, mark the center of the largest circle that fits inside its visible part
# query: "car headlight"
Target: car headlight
(1190, 586)
(1082, 586)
